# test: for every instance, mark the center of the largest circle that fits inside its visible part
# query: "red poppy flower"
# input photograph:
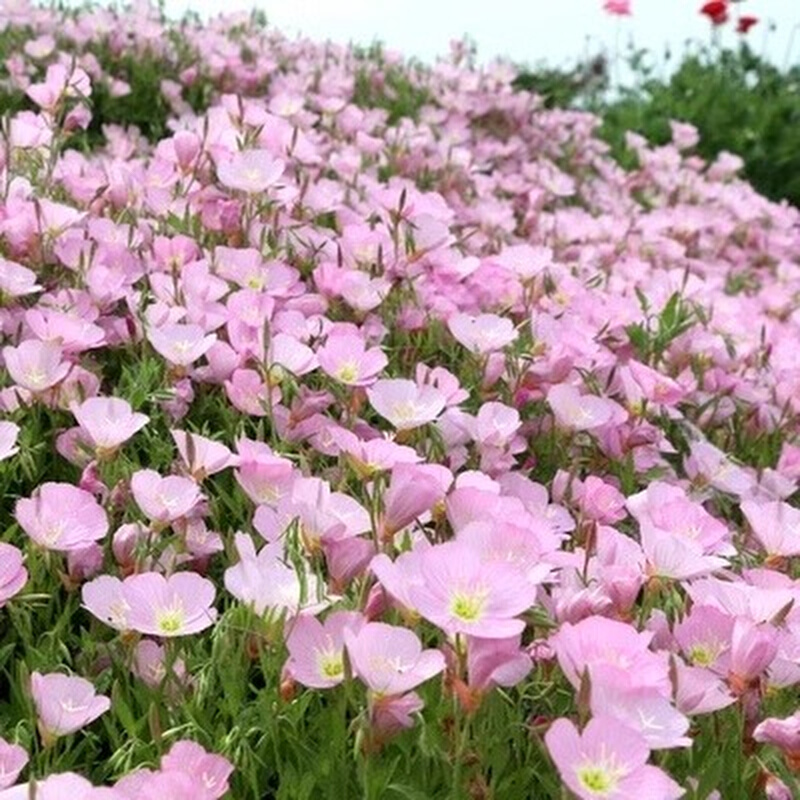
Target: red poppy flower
(716, 11)
(745, 23)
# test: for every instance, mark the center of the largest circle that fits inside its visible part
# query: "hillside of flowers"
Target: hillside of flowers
(369, 432)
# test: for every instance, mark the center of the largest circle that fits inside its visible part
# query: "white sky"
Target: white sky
(556, 31)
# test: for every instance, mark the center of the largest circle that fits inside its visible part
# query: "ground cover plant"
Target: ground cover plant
(369, 431)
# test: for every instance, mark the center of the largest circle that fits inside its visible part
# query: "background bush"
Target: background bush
(738, 101)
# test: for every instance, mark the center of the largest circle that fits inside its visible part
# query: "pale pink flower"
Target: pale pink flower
(675, 557)
(704, 636)
(202, 456)
(150, 664)
(586, 412)
(64, 704)
(36, 366)
(373, 455)
(248, 393)
(62, 517)
(708, 464)
(390, 660)
(668, 509)
(108, 422)
(607, 760)
(61, 82)
(462, 593)
(413, 490)
(496, 662)
(265, 477)
(399, 576)
(776, 525)
(482, 334)
(62, 785)
(181, 344)
(753, 648)
(209, 772)
(405, 404)
(250, 171)
(145, 784)
(104, 597)
(16, 280)
(179, 605)
(699, 691)
(316, 650)
(597, 641)
(346, 358)
(264, 582)
(13, 575)
(8, 440)
(783, 733)
(361, 292)
(13, 759)
(391, 714)
(641, 708)
(164, 499)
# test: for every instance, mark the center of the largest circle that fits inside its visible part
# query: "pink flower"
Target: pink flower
(405, 404)
(316, 650)
(265, 582)
(413, 490)
(597, 641)
(783, 733)
(108, 422)
(496, 662)
(201, 456)
(164, 500)
(36, 366)
(483, 334)
(776, 525)
(674, 557)
(209, 772)
(13, 759)
(641, 708)
(578, 412)
(64, 704)
(150, 664)
(13, 575)
(153, 605)
(62, 517)
(346, 358)
(608, 760)
(390, 714)
(390, 660)
(753, 648)
(704, 636)
(462, 593)
(250, 171)
(60, 786)
(181, 344)
(104, 597)
(8, 440)
(60, 83)
(16, 280)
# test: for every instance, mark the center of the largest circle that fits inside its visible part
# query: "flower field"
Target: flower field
(369, 431)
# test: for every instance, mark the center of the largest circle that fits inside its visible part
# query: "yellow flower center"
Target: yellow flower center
(468, 607)
(170, 621)
(331, 665)
(599, 780)
(704, 655)
(347, 372)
